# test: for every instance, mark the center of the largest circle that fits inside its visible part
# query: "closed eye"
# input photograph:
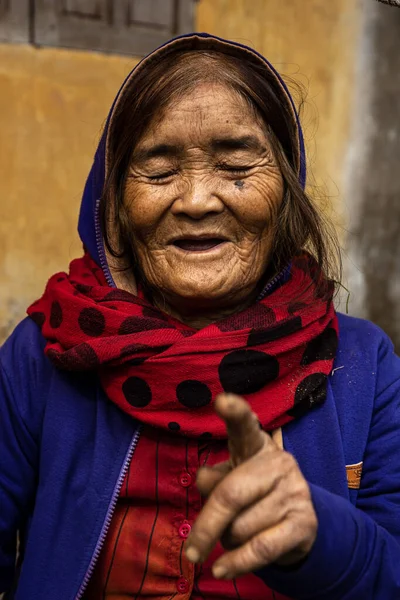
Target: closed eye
(234, 169)
(161, 176)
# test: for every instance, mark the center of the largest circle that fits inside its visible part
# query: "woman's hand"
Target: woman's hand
(259, 504)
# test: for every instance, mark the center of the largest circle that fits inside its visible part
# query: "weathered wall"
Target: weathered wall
(53, 103)
(372, 187)
(52, 106)
(314, 42)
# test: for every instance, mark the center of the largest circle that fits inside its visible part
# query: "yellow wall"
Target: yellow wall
(52, 106)
(314, 42)
(53, 103)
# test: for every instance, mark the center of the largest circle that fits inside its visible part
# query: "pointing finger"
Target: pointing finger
(244, 433)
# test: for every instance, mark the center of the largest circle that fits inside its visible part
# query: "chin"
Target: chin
(207, 292)
(201, 294)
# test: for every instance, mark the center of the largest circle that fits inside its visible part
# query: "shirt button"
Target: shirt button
(184, 530)
(185, 479)
(182, 585)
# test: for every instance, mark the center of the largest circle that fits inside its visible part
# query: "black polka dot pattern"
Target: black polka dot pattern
(56, 315)
(193, 394)
(187, 333)
(119, 295)
(38, 318)
(247, 371)
(80, 358)
(309, 393)
(132, 348)
(92, 322)
(294, 307)
(271, 334)
(323, 347)
(256, 316)
(84, 289)
(137, 392)
(153, 313)
(137, 324)
(173, 426)
(268, 352)
(135, 362)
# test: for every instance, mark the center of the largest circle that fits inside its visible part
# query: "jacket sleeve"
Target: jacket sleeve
(357, 551)
(19, 419)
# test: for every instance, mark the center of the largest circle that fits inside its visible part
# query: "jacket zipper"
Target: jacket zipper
(134, 441)
(109, 515)
(100, 247)
(271, 284)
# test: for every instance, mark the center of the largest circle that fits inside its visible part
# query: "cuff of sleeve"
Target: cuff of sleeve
(332, 555)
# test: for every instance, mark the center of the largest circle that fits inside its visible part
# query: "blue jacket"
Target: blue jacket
(65, 448)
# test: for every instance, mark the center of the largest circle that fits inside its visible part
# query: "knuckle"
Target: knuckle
(229, 494)
(288, 462)
(239, 531)
(299, 491)
(261, 550)
(303, 524)
(311, 520)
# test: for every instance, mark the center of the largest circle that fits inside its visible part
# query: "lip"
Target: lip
(198, 243)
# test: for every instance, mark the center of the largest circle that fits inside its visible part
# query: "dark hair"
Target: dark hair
(300, 225)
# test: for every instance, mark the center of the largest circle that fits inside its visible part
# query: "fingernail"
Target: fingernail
(193, 554)
(219, 571)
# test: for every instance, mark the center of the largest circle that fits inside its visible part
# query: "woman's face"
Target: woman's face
(202, 194)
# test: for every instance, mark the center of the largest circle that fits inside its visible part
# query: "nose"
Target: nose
(197, 198)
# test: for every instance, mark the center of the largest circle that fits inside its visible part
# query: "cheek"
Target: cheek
(144, 207)
(257, 202)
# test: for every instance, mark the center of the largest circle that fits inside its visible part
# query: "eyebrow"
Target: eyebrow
(246, 142)
(157, 151)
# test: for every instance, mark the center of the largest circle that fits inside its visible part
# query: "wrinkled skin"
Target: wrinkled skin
(258, 503)
(201, 187)
(185, 180)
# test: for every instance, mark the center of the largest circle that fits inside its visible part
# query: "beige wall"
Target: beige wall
(53, 103)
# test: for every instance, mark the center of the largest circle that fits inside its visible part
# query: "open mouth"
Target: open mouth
(198, 245)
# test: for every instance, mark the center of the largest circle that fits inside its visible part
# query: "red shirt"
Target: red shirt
(143, 553)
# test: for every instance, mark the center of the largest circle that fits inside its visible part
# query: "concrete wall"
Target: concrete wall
(372, 183)
(53, 103)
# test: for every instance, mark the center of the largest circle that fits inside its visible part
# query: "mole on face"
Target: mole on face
(239, 184)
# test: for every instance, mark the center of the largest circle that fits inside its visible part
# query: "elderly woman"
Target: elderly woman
(184, 415)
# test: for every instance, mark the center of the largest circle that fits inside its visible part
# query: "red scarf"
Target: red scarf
(277, 354)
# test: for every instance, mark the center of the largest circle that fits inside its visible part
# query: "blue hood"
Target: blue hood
(89, 223)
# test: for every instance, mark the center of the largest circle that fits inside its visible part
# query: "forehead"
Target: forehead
(205, 110)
